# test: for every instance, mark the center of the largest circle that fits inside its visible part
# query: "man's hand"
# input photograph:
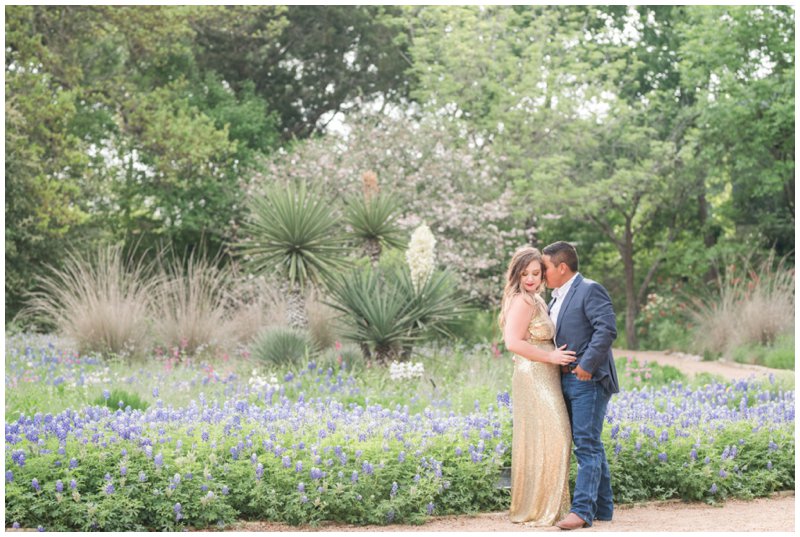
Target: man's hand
(582, 374)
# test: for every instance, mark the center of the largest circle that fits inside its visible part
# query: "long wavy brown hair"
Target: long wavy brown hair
(522, 257)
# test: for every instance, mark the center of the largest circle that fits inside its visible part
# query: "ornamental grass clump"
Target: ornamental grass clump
(750, 304)
(100, 301)
(189, 304)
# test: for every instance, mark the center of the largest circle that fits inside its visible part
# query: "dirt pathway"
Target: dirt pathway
(692, 365)
(763, 514)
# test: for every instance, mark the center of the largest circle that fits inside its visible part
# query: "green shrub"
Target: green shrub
(782, 354)
(117, 396)
(631, 374)
(345, 356)
(282, 347)
(779, 355)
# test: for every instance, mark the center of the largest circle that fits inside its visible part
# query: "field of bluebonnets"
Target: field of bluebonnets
(176, 442)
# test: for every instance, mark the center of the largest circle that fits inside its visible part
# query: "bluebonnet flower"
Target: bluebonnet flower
(614, 431)
(123, 471)
(723, 473)
(142, 476)
(316, 473)
(287, 462)
(59, 486)
(259, 471)
(18, 457)
(401, 457)
(73, 484)
(106, 394)
(176, 479)
(707, 460)
(177, 510)
(662, 457)
(253, 458)
(109, 489)
(393, 492)
(458, 451)
(225, 490)
(298, 467)
(35, 484)
(303, 498)
(713, 489)
(354, 477)
(204, 436)
(9, 476)
(617, 448)
(155, 391)
(40, 529)
(301, 487)
(107, 477)
(367, 468)
(15, 525)
(773, 446)
(429, 508)
(693, 454)
(769, 465)
(159, 460)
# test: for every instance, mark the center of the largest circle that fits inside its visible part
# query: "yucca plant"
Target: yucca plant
(377, 314)
(292, 230)
(99, 300)
(436, 304)
(374, 221)
(189, 303)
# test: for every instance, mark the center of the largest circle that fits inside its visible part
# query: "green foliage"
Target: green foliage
(779, 355)
(374, 220)
(632, 374)
(117, 396)
(376, 311)
(281, 346)
(291, 230)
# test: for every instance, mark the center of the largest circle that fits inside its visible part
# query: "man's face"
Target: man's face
(553, 275)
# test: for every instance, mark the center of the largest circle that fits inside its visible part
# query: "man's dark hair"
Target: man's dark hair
(562, 252)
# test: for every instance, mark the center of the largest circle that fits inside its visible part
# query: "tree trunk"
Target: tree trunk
(296, 308)
(631, 302)
(373, 250)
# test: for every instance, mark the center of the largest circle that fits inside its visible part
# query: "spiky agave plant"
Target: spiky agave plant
(292, 230)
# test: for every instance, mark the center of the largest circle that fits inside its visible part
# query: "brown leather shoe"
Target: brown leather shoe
(571, 522)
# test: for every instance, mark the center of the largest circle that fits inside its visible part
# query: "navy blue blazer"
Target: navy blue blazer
(587, 325)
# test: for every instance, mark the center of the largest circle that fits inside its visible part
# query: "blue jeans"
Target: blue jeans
(586, 404)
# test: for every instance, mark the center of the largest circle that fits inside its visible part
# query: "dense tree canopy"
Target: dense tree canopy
(654, 137)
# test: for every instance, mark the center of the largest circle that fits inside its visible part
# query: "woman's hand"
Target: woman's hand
(561, 356)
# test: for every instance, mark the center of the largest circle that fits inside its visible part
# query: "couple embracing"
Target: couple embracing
(564, 376)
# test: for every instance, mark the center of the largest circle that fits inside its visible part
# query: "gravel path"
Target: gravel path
(776, 513)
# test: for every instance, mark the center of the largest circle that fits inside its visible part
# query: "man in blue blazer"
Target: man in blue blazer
(585, 322)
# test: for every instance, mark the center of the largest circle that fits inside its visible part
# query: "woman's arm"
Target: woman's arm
(515, 334)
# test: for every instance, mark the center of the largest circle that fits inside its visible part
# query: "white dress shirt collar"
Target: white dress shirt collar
(564, 289)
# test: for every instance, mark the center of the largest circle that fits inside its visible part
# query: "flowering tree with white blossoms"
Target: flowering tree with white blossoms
(435, 177)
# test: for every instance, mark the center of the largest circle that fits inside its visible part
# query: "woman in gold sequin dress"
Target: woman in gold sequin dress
(541, 439)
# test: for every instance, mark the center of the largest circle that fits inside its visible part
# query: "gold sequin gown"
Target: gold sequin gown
(542, 439)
